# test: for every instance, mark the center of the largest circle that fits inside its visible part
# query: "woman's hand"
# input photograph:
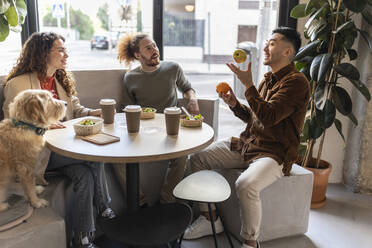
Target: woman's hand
(95, 112)
(229, 98)
(57, 125)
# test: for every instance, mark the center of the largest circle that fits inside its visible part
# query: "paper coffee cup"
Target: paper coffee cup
(108, 110)
(172, 120)
(132, 114)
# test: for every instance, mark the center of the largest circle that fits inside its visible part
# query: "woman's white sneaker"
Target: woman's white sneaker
(202, 227)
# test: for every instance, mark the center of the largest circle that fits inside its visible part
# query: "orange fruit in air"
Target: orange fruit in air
(239, 56)
(223, 87)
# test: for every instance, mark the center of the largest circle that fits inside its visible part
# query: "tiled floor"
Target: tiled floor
(344, 222)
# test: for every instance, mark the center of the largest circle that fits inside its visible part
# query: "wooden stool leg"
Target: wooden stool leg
(212, 223)
(227, 233)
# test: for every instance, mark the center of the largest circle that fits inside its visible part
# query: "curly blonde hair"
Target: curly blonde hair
(33, 58)
(128, 45)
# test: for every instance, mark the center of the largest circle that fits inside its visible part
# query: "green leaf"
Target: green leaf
(300, 65)
(329, 111)
(342, 100)
(306, 130)
(355, 5)
(22, 10)
(338, 125)
(320, 95)
(367, 38)
(316, 125)
(12, 16)
(346, 25)
(362, 88)
(352, 54)
(4, 5)
(4, 28)
(315, 15)
(323, 33)
(347, 70)
(325, 66)
(306, 59)
(314, 68)
(353, 118)
(315, 28)
(298, 11)
(309, 7)
(307, 50)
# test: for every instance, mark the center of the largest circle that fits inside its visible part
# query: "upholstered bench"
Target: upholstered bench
(285, 205)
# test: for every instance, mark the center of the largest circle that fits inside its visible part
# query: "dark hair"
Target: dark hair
(128, 45)
(34, 56)
(291, 35)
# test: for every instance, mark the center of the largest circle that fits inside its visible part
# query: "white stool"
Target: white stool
(205, 186)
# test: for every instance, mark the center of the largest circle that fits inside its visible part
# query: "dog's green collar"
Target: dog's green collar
(38, 130)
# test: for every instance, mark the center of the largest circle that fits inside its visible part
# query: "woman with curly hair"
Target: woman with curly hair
(41, 65)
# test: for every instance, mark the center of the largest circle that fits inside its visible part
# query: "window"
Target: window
(247, 33)
(244, 4)
(9, 50)
(202, 35)
(92, 29)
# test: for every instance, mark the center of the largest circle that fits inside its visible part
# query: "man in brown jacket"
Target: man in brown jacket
(268, 146)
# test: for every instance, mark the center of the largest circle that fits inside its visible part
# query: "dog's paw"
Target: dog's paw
(39, 203)
(40, 180)
(4, 206)
(39, 189)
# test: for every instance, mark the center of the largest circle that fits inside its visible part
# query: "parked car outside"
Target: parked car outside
(101, 41)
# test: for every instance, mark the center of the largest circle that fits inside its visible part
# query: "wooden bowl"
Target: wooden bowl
(84, 130)
(190, 123)
(148, 115)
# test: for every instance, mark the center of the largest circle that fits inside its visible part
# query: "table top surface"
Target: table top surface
(151, 143)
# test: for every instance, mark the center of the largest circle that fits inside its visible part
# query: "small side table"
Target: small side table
(205, 186)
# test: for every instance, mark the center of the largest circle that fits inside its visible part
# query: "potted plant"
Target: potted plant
(331, 31)
(12, 16)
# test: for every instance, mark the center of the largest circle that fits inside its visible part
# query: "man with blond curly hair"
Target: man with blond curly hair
(154, 83)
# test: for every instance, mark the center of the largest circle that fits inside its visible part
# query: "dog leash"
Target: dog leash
(38, 130)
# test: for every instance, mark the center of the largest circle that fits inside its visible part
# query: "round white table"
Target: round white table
(156, 225)
(151, 143)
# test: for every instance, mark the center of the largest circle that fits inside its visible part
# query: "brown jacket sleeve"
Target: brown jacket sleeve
(283, 102)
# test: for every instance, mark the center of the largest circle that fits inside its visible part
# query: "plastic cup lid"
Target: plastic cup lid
(172, 110)
(107, 101)
(132, 108)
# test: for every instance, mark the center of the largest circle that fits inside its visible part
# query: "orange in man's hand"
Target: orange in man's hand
(223, 87)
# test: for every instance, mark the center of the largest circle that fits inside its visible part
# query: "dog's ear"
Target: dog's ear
(35, 109)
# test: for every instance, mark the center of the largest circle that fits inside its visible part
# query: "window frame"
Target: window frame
(31, 23)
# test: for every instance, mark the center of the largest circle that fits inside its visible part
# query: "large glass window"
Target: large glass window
(202, 35)
(92, 28)
(9, 50)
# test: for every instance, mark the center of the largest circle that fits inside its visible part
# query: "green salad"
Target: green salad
(148, 110)
(196, 117)
(87, 122)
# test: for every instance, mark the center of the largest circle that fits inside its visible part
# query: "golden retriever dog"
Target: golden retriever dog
(21, 141)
